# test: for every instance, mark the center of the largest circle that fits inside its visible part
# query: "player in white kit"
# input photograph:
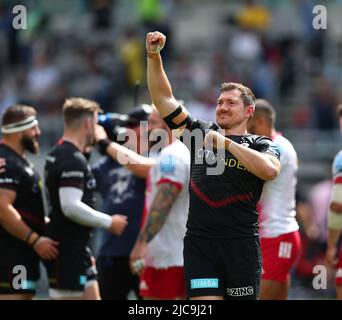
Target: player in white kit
(279, 235)
(160, 242)
(334, 251)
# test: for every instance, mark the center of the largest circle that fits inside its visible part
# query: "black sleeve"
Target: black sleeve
(73, 171)
(266, 145)
(10, 178)
(190, 123)
(201, 124)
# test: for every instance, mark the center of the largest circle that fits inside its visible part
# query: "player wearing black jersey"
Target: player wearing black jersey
(21, 207)
(221, 249)
(71, 187)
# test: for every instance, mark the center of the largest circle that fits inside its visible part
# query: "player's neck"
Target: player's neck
(238, 130)
(15, 145)
(267, 132)
(172, 138)
(274, 133)
(76, 139)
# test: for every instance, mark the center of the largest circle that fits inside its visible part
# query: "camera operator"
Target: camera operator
(123, 192)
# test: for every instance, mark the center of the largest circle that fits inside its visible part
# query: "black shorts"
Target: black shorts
(222, 267)
(19, 270)
(71, 270)
(115, 278)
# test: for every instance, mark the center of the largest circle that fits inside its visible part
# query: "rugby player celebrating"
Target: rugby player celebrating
(222, 257)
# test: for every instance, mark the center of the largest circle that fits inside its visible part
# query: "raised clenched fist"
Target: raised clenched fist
(155, 42)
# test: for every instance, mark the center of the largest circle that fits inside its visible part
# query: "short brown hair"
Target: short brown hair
(16, 113)
(266, 109)
(75, 109)
(247, 95)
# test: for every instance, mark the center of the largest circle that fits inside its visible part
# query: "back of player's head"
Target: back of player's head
(76, 109)
(265, 109)
(17, 113)
(247, 94)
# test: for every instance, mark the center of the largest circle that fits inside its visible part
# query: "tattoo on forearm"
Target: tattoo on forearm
(160, 208)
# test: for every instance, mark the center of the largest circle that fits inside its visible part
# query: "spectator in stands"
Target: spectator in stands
(102, 13)
(133, 57)
(42, 81)
(253, 16)
(324, 102)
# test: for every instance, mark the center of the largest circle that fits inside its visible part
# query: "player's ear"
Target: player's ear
(249, 111)
(86, 123)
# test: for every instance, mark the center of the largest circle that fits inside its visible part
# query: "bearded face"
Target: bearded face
(29, 141)
(230, 110)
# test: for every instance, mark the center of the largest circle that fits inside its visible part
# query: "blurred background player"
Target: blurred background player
(334, 250)
(272, 46)
(21, 205)
(71, 187)
(159, 246)
(280, 239)
(222, 257)
(122, 192)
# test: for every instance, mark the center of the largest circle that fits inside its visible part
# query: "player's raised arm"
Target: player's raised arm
(159, 86)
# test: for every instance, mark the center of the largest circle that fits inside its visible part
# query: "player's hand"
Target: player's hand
(137, 257)
(119, 223)
(155, 42)
(331, 257)
(46, 248)
(2, 165)
(214, 139)
(100, 133)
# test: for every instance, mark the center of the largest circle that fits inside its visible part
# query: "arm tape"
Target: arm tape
(334, 220)
(169, 119)
(77, 211)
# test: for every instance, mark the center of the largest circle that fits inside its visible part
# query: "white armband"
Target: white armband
(79, 212)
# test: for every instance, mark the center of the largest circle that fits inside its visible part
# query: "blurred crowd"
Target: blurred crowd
(101, 55)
